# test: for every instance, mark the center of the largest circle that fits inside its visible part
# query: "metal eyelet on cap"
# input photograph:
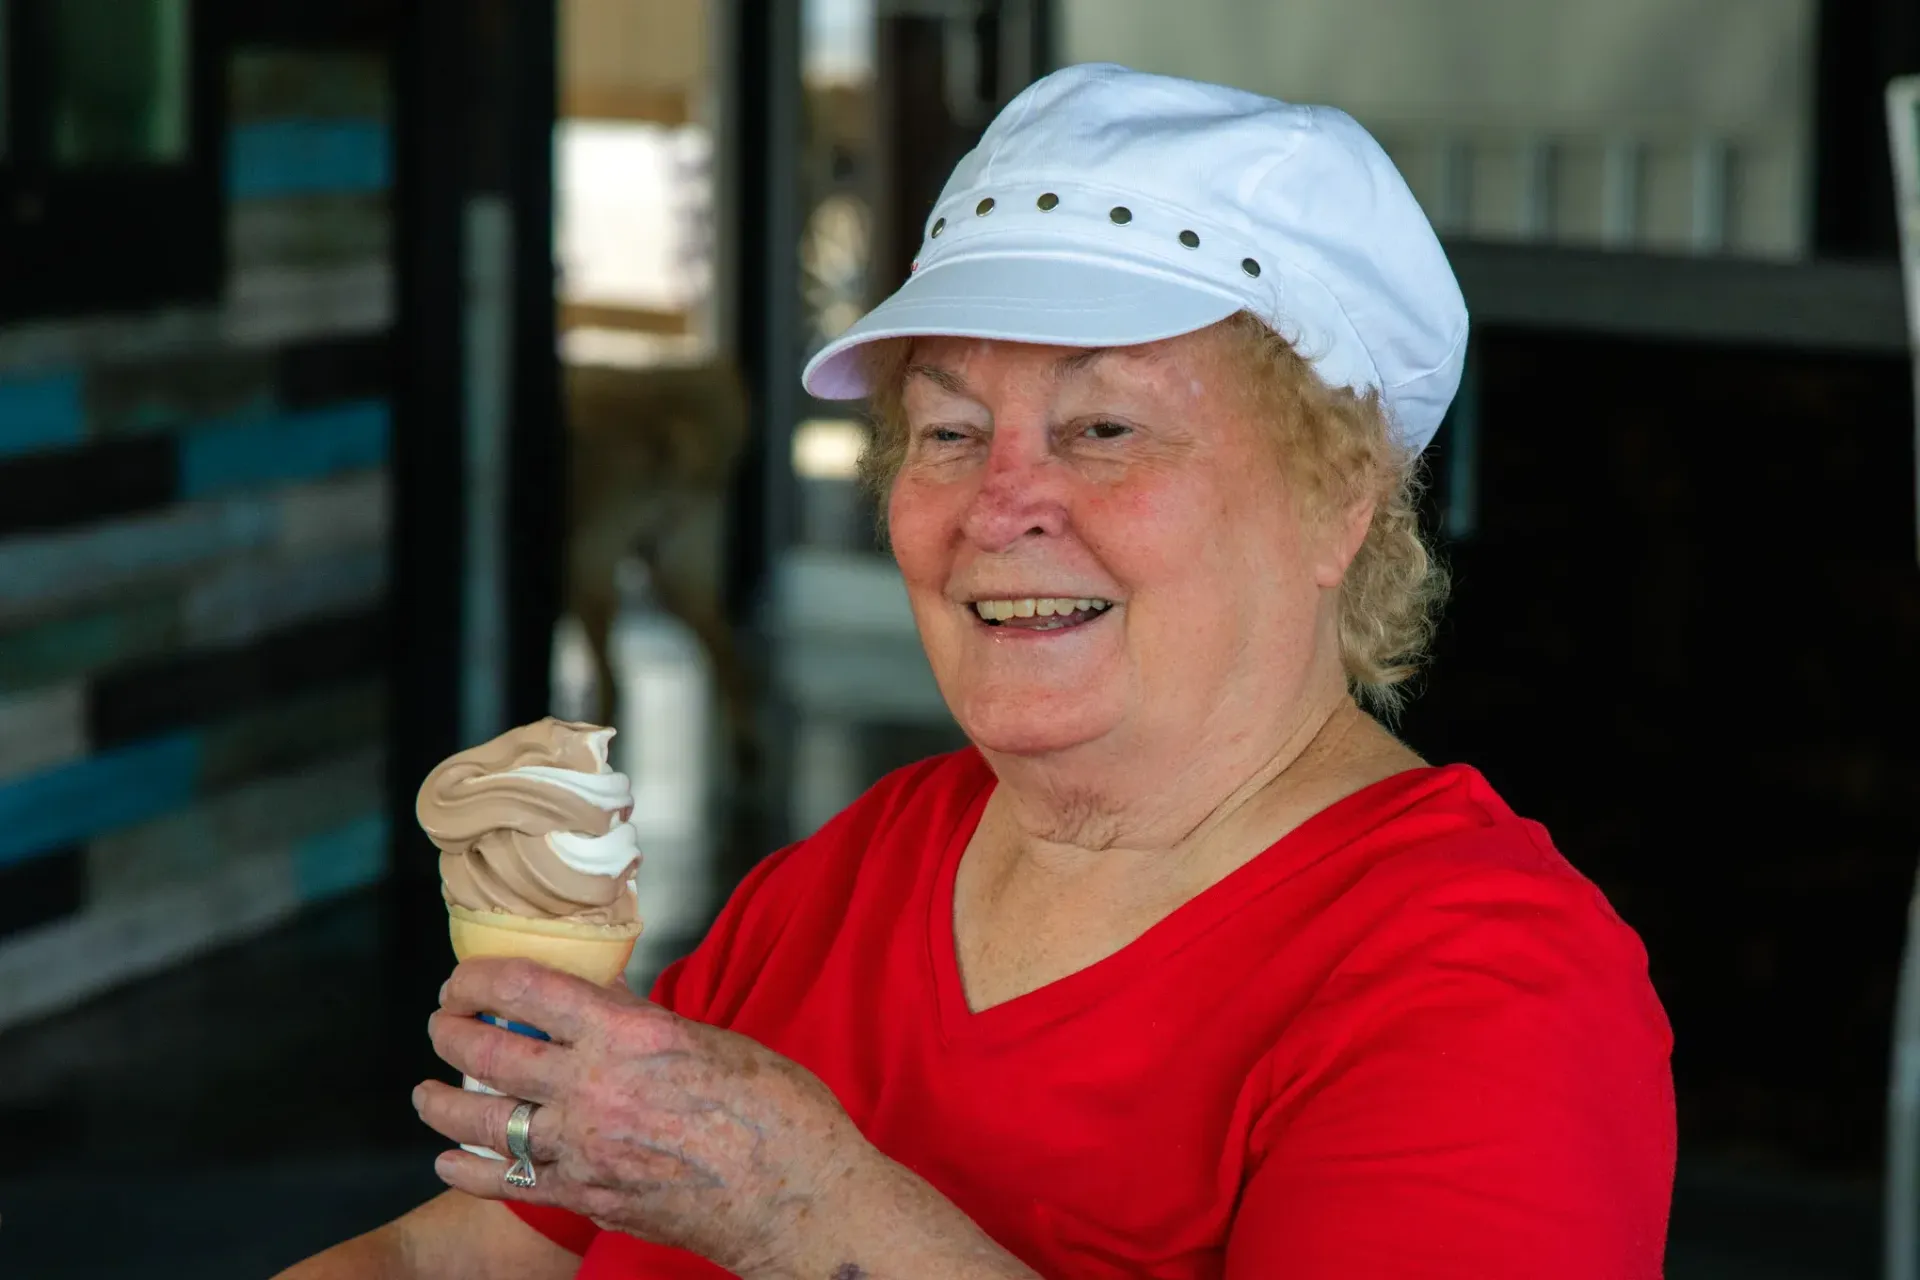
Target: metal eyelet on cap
(939, 225)
(1047, 202)
(1120, 214)
(984, 208)
(1191, 239)
(1249, 266)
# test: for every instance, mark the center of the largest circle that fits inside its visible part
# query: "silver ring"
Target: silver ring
(519, 1146)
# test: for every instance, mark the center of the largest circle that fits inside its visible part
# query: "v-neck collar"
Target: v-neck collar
(1318, 836)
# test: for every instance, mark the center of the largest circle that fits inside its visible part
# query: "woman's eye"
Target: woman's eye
(943, 435)
(1108, 431)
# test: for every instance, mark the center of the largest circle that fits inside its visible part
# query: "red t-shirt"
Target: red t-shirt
(1407, 1040)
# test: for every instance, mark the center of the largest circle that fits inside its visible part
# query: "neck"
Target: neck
(1178, 798)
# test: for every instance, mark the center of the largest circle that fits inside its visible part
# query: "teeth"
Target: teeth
(1039, 607)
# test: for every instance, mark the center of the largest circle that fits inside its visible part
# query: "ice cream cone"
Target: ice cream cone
(534, 840)
(596, 952)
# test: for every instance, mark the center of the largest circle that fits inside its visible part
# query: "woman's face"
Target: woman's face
(1101, 546)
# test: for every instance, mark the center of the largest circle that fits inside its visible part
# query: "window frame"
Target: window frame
(110, 238)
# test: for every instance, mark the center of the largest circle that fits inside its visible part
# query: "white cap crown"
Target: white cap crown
(1108, 207)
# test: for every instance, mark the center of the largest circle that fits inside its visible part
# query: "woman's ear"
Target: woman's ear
(1340, 542)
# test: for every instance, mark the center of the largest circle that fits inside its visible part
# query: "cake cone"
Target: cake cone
(596, 952)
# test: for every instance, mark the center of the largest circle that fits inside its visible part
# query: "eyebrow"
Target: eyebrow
(1079, 361)
(945, 379)
(1066, 366)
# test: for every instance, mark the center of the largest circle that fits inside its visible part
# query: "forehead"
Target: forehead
(974, 365)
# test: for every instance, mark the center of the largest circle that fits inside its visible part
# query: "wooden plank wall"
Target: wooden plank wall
(193, 524)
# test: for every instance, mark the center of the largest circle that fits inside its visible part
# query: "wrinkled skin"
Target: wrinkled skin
(673, 1131)
(667, 1129)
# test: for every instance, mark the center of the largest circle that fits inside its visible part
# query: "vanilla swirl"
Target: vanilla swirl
(534, 823)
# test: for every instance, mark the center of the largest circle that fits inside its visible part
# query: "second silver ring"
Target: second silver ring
(520, 1146)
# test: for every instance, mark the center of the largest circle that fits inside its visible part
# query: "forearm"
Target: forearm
(377, 1255)
(888, 1223)
(451, 1237)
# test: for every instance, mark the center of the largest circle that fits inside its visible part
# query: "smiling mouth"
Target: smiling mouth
(1040, 613)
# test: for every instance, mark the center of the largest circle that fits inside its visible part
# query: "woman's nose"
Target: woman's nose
(1017, 497)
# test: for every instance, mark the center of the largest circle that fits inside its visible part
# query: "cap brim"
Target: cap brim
(1056, 301)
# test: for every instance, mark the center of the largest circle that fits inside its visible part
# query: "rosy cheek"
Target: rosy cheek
(918, 524)
(1126, 502)
(1132, 522)
(905, 510)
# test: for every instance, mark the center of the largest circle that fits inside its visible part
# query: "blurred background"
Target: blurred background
(376, 376)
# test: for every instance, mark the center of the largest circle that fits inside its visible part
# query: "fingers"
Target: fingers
(479, 1176)
(481, 1119)
(500, 1059)
(563, 1006)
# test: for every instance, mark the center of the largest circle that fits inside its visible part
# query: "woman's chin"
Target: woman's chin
(1029, 731)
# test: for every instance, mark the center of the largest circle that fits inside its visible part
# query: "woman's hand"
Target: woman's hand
(647, 1123)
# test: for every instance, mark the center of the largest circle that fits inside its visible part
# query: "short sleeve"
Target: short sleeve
(732, 947)
(1484, 1092)
(687, 987)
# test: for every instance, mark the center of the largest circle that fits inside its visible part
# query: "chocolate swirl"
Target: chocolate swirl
(492, 825)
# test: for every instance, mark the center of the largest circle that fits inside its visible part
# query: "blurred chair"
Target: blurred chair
(654, 450)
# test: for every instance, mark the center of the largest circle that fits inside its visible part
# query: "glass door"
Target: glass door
(893, 93)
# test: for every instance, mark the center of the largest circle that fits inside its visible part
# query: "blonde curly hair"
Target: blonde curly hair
(1338, 449)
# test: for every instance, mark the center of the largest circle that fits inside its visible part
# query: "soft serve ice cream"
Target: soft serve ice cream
(534, 825)
(537, 857)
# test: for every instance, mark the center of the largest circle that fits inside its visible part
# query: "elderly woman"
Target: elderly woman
(1187, 968)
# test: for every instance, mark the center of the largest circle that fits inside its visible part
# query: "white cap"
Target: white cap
(1107, 207)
